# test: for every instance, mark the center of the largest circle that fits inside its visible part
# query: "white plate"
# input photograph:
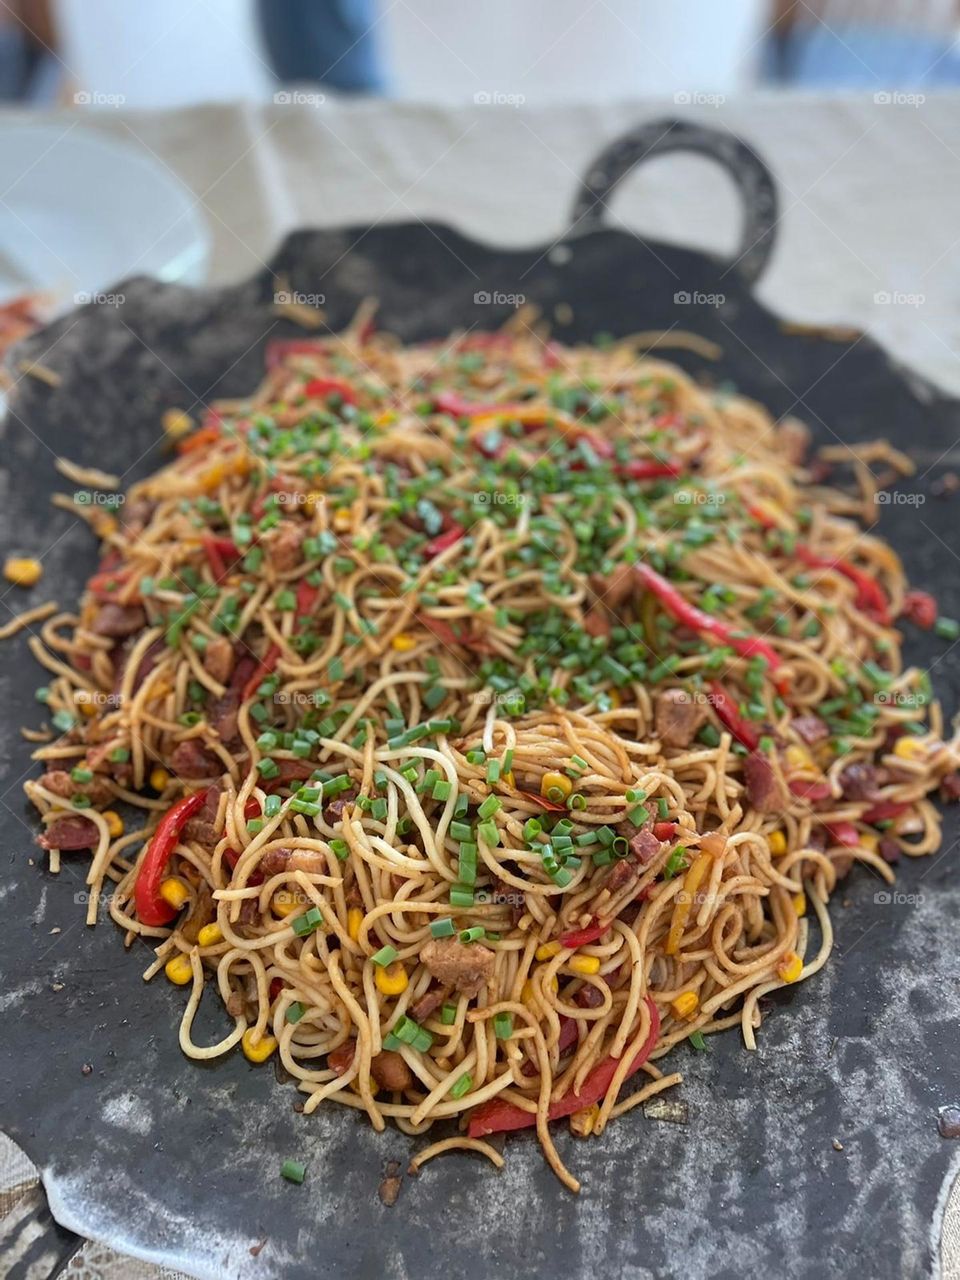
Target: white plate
(79, 212)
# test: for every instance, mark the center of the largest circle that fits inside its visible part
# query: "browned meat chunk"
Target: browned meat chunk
(644, 846)
(428, 1004)
(615, 588)
(596, 622)
(218, 659)
(621, 874)
(333, 812)
(678, 717)
(61, 784)
(202, 826)
(191, 759)
(340, 1059)
(151, 657)
(860, 781)
(810, 728)
(793, 438)
(70, 833)
(222, 713)
(465, 966)
(391, 1072)
(765, 791)
(275, 861)
(950, 788)
(282, 545)
(118, 620)
(98, 759)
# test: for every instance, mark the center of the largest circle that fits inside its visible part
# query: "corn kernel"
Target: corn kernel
(179, 970)
(910, 749)
(391, 980)
(800, 904)
(22, 572)
(403, 643)
(176, 423)
(174, 892)
(790, 967)
(584, 964)
(285, 902)
(526, 992)
(777, 842)
(354, 921)
(548, 950)
(159, 779)
(797, 757)
(686, 1004)
(583, 1123)
(260, 1051)
(114, 822)
(210, 935)
(555, 782)
(84, 702)
(342, 519)
(509, 779)
(869, 841)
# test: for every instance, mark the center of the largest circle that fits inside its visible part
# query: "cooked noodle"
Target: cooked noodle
(416, 623)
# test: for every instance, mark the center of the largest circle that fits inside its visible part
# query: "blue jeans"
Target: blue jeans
(328, 42)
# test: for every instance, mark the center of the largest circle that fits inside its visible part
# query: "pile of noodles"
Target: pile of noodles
(391, 622)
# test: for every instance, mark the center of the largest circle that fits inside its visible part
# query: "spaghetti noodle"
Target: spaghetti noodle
(498, 716)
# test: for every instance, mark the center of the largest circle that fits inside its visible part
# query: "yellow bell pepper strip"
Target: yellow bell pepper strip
(681, 911)
(152, 909)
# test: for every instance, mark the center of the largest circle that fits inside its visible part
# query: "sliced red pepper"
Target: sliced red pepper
(690, 616)
(499, 1116)
(583, 937)
(869, 597)
(543, 802)
(648, 469)
(443, 541)
(727, 712)
(844, 833)
(105, 586)
(454, 404)
(151, 908)
(208, 434)
(278, 350)
(218, 551)
(812, 791)
(664, 830)
(270, 660)
(320, 388)
(885, 811)
(307, 597)
(448, 636)
(569, 1035)
(920, 608)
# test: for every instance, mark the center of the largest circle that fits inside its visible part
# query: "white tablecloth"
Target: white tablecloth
(869, 199)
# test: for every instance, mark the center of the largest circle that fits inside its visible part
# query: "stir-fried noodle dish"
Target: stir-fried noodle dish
(480, 720)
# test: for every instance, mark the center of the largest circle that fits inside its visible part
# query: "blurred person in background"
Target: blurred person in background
(864, 44)
(325, 42)
(29, 71)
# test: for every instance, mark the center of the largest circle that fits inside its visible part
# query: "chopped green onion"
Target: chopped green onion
(385, 956)
(443, 928)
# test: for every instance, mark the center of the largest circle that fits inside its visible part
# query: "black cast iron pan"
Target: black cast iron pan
(177, 1162)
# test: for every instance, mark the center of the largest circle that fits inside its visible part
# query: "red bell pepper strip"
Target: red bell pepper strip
(448, 636)
(307, 597)
(583, 937)
(843, 833)
(498, 1116)
(105, 585)
(151, 908)
(690, 616)
(569, 1035)
(458, 407)
(664, 830)
(885, 811)
(270, 660)
(320, 388)
(648, 469)
(443, 541)
(727, 712)
(278, 350)
(543, 802)
(920, 608)
(208, 434)
(869, 597)
(812, 791)
(216, 549)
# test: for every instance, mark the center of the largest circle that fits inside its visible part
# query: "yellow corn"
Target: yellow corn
(910, 749)
(210, 935)
(159, 778)
(583, 1123)
(548, 950)
(555, 782)
(176, 423)
(392, 979)
(260, 1051)
(584, 964)
(686, 1004)
(777, 842)
(797, 757)
(800, 904)
(342, 519)
(23, 572)
(403, 643)
(790, 967)
(83, 701)
(509, 779)
(385, 419)
(354, 921)
(869, 841)
(174, 892)
(527, 992)
(114, 822)
(179, 970)
(285, 903)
